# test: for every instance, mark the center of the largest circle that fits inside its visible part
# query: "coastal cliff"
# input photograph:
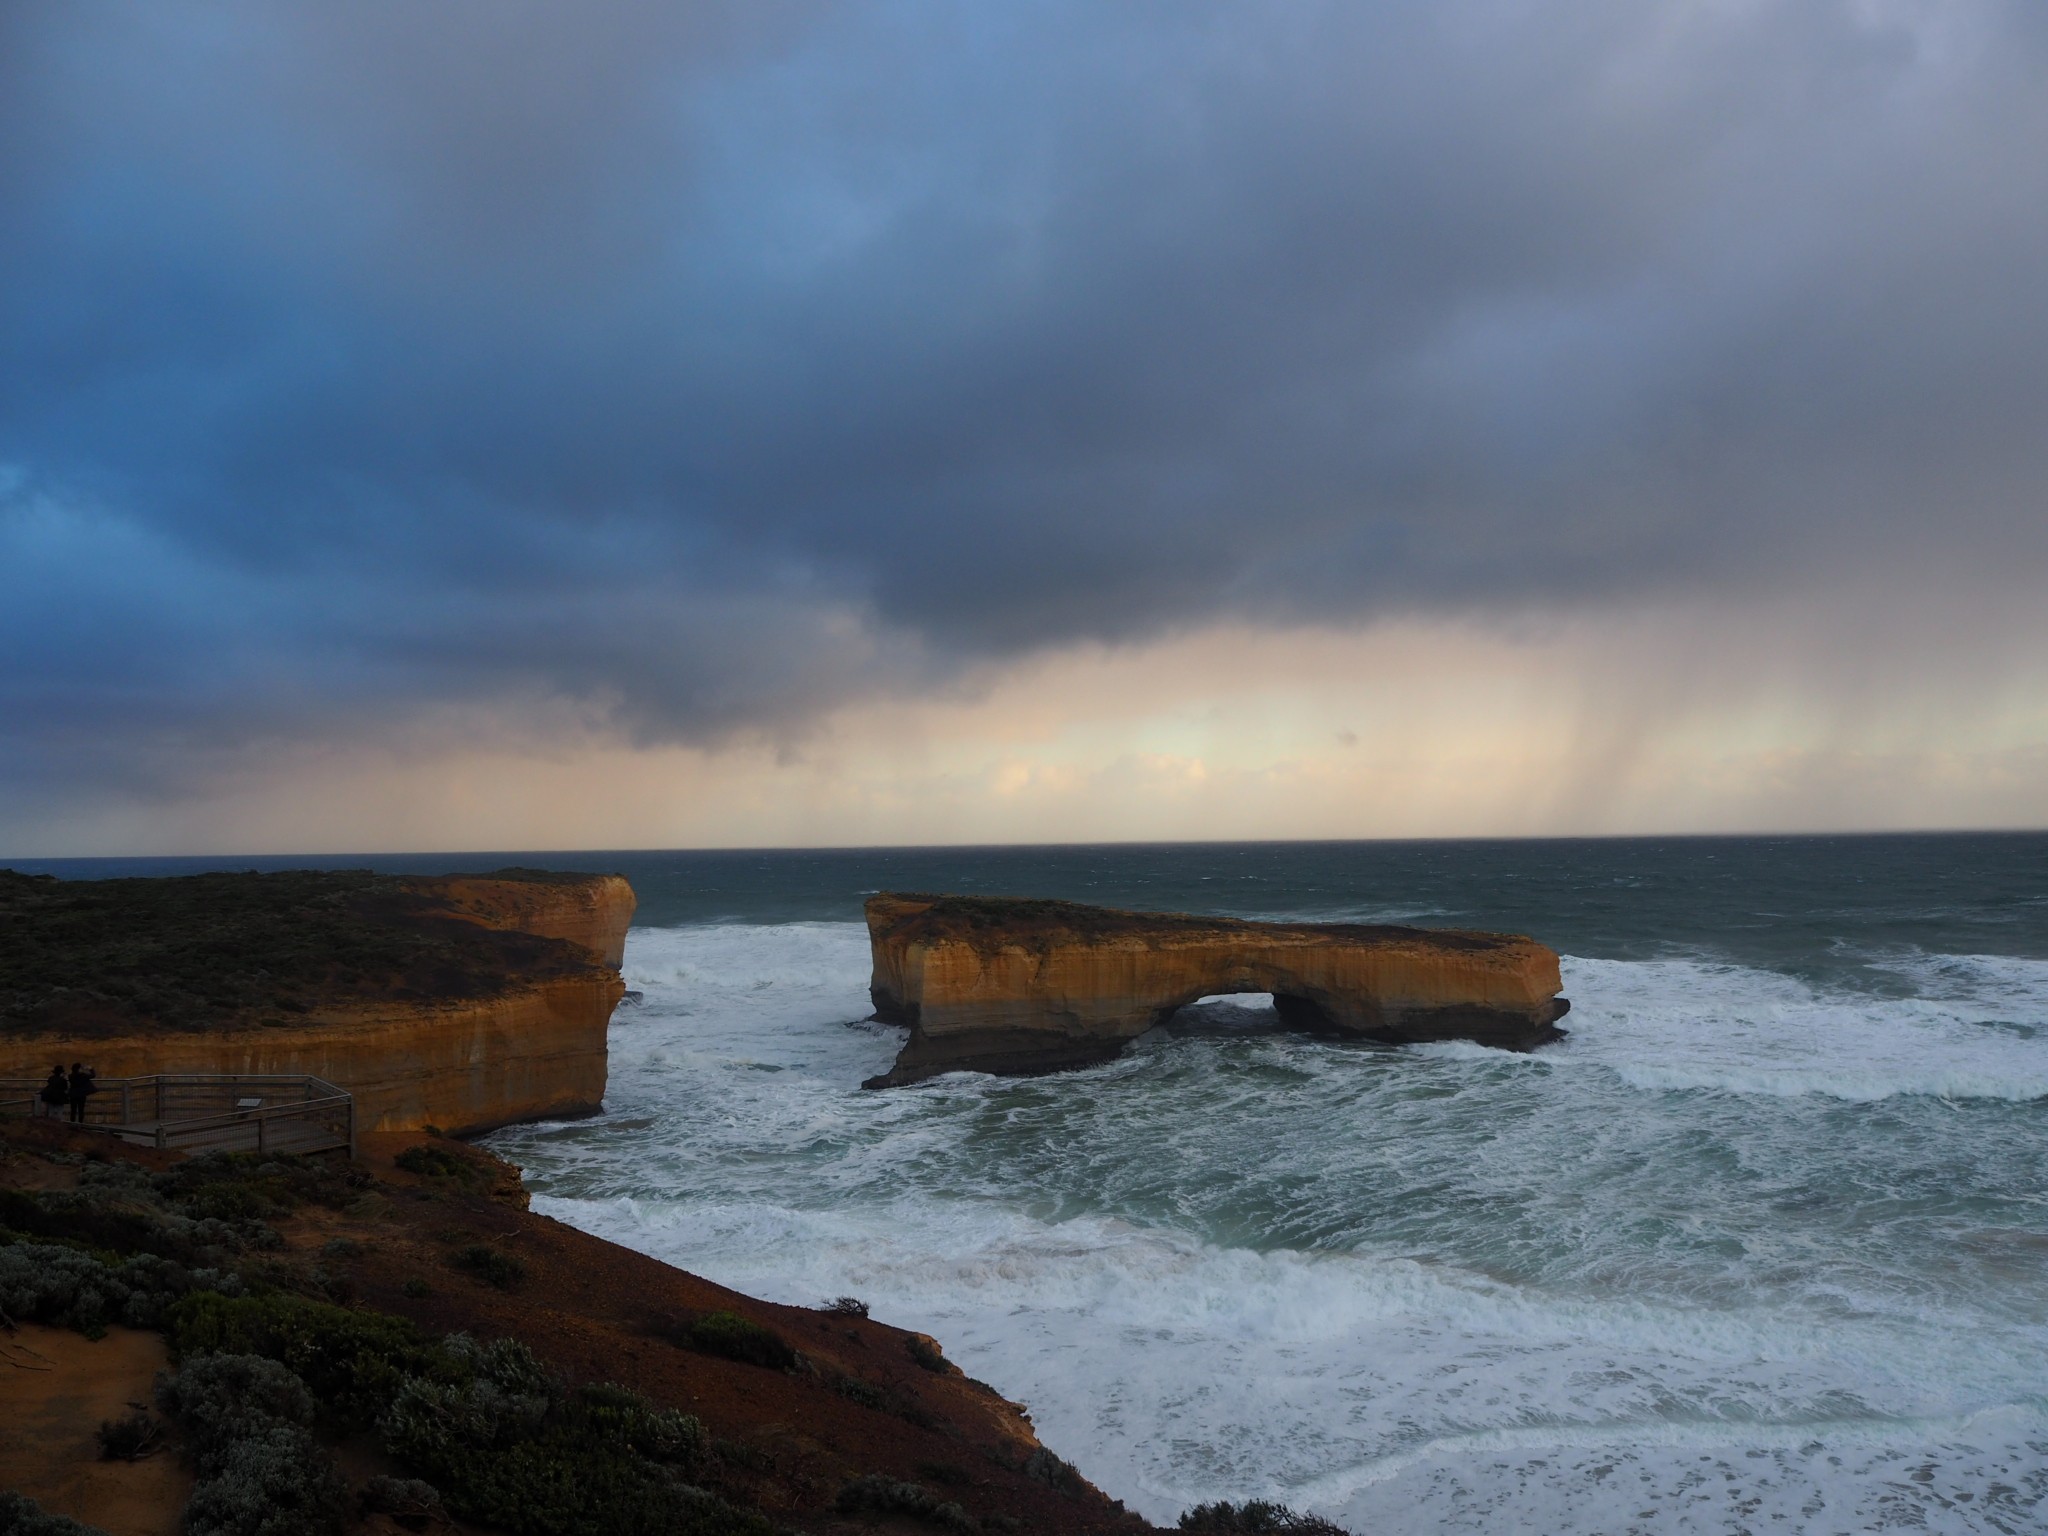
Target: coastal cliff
(649, 1398)
(1000, 985)
(591, 910)
(463, 1002)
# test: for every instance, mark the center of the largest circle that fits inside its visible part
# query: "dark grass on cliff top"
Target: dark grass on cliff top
(1037, 921)
(86, 958)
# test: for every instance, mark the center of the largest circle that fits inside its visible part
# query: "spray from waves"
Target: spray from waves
(1676, 1024)
(1441, 1289)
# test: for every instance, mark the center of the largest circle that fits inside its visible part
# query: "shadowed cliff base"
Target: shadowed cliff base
(463, 1001)
(1018, 986)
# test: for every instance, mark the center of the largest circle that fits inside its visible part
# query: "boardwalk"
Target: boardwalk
(203, 1112)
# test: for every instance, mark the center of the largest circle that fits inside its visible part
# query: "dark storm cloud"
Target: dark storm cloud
(689, 368)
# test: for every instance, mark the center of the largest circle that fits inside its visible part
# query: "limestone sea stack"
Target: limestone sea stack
(462, 1002)
(993, 984)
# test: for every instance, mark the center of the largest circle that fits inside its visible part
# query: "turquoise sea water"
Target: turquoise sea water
(1762, 1247)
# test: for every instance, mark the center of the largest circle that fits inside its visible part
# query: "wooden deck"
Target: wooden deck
(198, 1112)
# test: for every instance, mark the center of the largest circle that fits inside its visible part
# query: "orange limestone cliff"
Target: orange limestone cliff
(592, 910)
(460, 1001)
(1014, 986)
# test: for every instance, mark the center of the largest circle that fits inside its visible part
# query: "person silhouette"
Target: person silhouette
(56, 1092)
(81, 1087)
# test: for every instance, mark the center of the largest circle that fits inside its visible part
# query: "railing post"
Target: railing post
(262, 1120)
(159, 1135)
(126, 1118)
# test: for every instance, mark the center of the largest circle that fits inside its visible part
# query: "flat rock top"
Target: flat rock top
(990, 922)
(96, 958)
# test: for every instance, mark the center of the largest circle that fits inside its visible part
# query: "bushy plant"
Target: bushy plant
(254, 1185)
(876, 1494)
(1255, 1517)
(846, 1306)
(490, 1265)
(70, 1288)
(21, 1515)
(114, 1212)
(131, 1437)
(926, 1355)
(732, 1337)
(260, 1471)
(431, 1162)
(353, 1361)
(1044, 1467)
(507, 1447)
(882, 1399)
(865, 1393)
(412, 1503)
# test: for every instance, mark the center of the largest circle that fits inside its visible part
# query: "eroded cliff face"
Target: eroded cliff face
(476, 1029)
(1027, 986)
(592, 910)
(536, 1052)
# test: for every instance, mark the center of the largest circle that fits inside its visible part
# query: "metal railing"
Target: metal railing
(196, 1111)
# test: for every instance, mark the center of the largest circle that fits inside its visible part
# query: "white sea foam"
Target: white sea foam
(1724, 1262)
(1686, 1025)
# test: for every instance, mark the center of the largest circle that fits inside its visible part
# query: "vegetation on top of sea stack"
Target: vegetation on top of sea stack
(1037, 921)
(89, 958)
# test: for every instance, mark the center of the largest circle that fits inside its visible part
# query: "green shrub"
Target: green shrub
(116, 1210)
(412, 1503)
(353, 1361)
(1255, 1517)
(23, 1516)
(926, 1354)
(732, 1337)
(261, 1473)
(882, 1399)
(430, 1162)
(69, 1288)
(507, 1447)
(282, 1181)
(876, 1494)
(130, 1438)
(221, 1398)
(489, 1264)
(865, 1393)
(846, 1306)
(1044, 1467)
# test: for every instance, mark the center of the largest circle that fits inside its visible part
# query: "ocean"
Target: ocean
(1763, 1246)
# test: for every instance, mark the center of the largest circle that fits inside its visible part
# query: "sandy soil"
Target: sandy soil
(55, 1388)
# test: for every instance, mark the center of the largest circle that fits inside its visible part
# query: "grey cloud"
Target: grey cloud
(701, 366)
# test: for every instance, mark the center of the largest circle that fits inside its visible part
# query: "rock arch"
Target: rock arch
(1017, 986)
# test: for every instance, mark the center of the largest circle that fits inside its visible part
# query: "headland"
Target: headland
(431, 1355)
(462, 1002)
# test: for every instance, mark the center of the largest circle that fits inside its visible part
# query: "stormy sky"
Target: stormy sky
(855, 422)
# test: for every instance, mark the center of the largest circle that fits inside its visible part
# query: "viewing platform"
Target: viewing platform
(203, 1112)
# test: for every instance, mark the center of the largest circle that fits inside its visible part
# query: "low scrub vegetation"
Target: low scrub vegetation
(430, 1162)
(130, 1438)
(490, 1265)
(261, 1472)
(1255, 1517)
(879, 1495)
(732, 1337)
(21, 1515)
